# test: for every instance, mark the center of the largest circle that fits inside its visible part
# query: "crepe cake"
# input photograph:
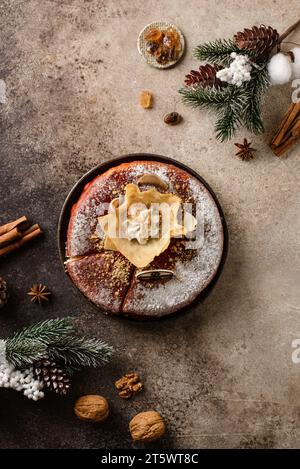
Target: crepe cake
(110, 280)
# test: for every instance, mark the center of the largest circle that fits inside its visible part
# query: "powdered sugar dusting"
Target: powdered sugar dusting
(103, 278)
(192, 273)
(191, 276)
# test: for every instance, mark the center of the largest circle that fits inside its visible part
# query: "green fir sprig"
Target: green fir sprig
(255, 91)
(210, 97)
(234, 105)
(229, 119)
(52, 339)
(22, 351)
(229, 104)
(46, 331)
(217, 52)
(77, 352)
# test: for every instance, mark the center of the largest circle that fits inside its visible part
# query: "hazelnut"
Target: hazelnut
(147, 426)
(172, 118)
(92, 408)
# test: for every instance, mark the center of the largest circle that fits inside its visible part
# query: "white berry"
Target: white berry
(21, 381)
(280, 69)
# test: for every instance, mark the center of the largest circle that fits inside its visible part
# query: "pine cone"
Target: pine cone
(3, 292)
(261, 39)
(206, 76)
(54, 378)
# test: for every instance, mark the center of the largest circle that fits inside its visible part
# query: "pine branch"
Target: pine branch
(217, 52)
(21, 352)
(229, 104)
(207, 97)
(234, 105)
(227, 123)
(30, 344)
(254, 92)
(51, 338)
(230, 114)
(46, 331)
(77, 352)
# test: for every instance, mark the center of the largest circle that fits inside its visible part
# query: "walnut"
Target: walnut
(147, 426)
(129, 385)
(92, 408)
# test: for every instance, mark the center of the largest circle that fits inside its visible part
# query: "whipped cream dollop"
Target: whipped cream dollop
(142, 223)
(142, 227)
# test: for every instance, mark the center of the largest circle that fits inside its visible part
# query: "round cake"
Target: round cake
(119, 283)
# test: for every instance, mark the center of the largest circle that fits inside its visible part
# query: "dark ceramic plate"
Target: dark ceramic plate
(76, 191)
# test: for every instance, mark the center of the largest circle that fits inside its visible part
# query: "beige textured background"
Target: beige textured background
(222, 376)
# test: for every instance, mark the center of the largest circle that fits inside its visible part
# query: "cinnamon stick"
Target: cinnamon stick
(295, 130)
(285, 117)
(10, 236)
(286, 145)
(27, 236)
(287, 122)
(280, 149)
(32, 229)
(21, 223)
(292, 138)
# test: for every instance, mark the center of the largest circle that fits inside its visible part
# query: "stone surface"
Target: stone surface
(222, 375)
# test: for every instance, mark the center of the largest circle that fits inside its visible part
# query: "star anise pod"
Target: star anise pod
(39, 293)
(245, 150)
